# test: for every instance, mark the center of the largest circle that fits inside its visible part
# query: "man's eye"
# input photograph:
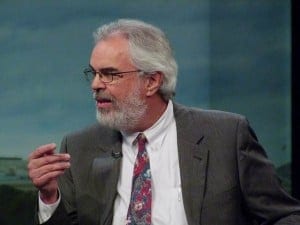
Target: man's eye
(108, 71)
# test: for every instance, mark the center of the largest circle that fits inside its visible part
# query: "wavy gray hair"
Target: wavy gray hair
(149, 48)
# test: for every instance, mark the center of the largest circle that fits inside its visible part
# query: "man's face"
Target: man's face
(120, 104)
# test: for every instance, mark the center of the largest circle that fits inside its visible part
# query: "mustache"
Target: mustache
(101, 95)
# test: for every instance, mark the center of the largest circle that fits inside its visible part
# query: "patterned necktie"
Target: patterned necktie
(139, 211)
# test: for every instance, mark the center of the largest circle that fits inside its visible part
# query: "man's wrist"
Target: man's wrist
(49, 198)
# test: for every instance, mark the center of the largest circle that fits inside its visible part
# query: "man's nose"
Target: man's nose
(97, 83)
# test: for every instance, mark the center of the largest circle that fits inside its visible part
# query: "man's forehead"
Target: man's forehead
(111, 51)
(113, 45)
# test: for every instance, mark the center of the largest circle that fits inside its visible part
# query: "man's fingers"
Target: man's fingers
(43, 150)
(42, 176)
(47, 159)
(45, 179)
(48, 168)
(50, 159)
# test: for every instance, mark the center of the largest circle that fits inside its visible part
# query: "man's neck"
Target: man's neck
(155, 109)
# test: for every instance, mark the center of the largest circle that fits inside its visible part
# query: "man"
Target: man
(192, 166)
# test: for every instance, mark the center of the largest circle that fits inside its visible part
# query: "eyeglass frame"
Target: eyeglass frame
(105, 72)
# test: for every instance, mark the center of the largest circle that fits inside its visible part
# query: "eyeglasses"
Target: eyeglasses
(106, 75)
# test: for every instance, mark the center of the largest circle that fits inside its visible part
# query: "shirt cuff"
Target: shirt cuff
(47, 210)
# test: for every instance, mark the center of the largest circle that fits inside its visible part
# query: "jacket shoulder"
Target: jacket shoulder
(200, 114)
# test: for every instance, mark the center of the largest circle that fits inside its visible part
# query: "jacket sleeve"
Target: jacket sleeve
(60, 217)
(264, 196)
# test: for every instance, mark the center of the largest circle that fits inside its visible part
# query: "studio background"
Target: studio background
(232, 55)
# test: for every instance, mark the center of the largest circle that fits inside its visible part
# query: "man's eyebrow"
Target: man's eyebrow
(110, 69)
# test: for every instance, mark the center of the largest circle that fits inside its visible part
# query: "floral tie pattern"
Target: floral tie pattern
(139, 211)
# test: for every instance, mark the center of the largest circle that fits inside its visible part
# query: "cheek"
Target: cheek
(126, 89)
(118, 94)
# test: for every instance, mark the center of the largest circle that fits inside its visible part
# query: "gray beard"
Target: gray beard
(126, 115)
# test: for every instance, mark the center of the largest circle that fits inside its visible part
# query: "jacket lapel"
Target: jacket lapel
(193, 156)
(107, 169)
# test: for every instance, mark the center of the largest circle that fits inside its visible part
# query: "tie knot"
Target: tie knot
(141, 140)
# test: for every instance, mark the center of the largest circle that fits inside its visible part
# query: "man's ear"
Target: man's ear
(154, 81)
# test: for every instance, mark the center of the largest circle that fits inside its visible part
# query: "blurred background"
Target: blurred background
(232, 55)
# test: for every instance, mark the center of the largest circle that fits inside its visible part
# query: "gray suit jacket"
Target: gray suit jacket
(225, 174)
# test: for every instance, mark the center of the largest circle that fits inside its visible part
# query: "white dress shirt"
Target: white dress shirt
(167, 204)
